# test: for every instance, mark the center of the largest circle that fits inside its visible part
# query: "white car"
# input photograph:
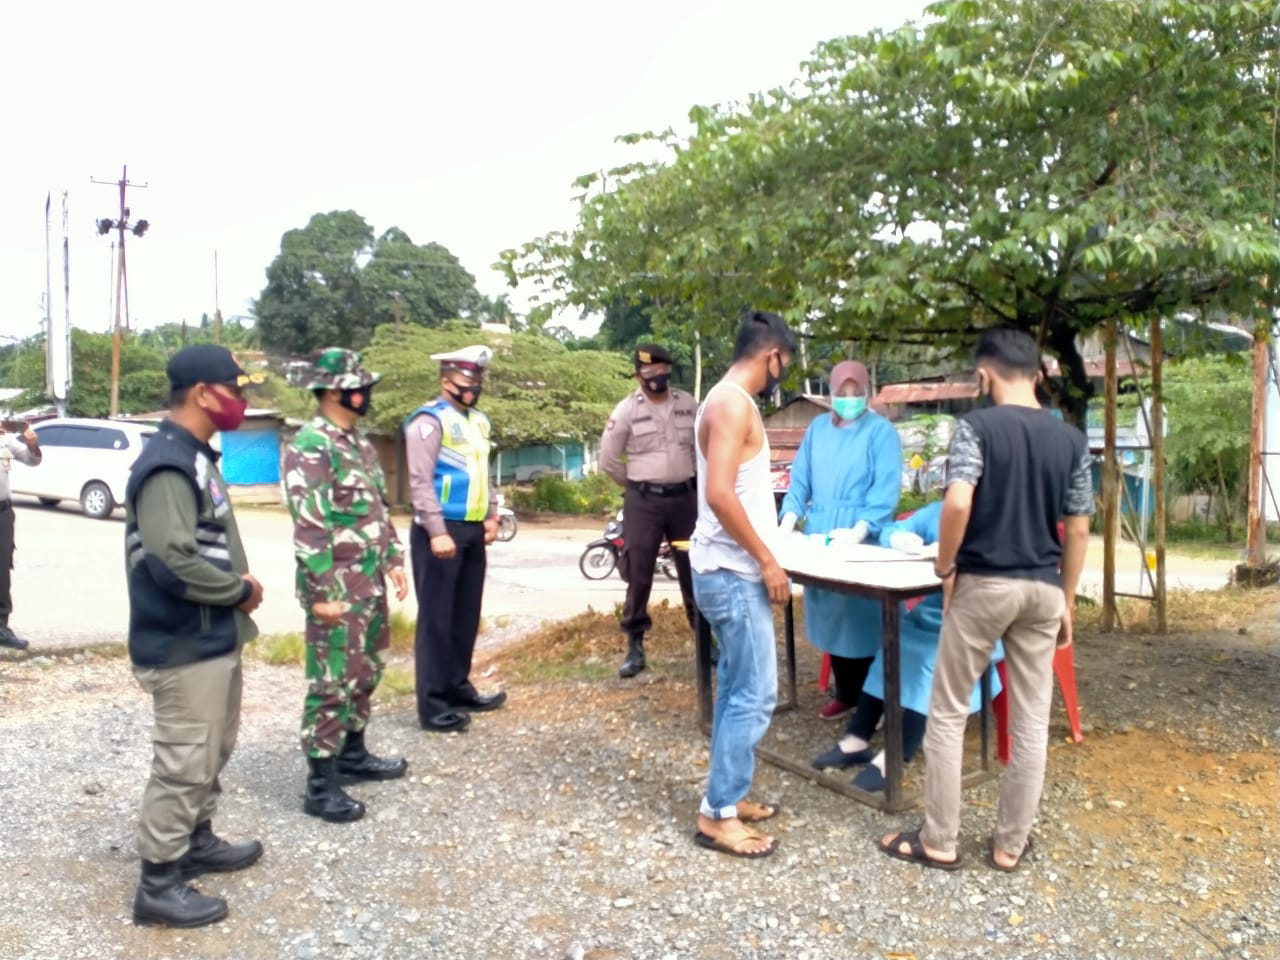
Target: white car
(84, 460)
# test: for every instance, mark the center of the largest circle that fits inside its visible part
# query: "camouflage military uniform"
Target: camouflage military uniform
(344, 543)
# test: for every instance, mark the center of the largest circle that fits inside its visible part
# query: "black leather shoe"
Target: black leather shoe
(482, 702)
(209, 853)
(451, 722)
(164, 899)
(10, 639)
(325, 799)
(355, 762)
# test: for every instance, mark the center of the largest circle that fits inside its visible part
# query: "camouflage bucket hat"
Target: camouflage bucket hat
(339, 369)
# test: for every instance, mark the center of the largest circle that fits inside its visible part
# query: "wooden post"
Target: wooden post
(1157, 455)
(1110, 515)
(1256, 532)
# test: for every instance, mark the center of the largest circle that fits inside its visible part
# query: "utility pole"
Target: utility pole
(105, 226)
(395, 309)
(1256, 532)
(217, 309)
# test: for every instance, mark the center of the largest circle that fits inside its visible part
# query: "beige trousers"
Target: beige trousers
(1028, 614)
(197, 717)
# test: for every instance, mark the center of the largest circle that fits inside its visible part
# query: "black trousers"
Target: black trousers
(6, 560)
(870, 709)
(449, 594)
(647, 520)
(850, 674)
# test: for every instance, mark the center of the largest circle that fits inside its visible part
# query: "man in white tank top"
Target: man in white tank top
(736, 579)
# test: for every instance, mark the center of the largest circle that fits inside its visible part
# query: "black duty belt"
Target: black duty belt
(663, 489)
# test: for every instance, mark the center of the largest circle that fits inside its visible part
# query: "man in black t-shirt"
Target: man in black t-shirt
(1015, 472)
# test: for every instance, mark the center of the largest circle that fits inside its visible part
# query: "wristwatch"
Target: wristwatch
(943, 574)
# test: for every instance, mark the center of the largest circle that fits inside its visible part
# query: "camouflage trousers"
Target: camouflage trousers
(344, 665)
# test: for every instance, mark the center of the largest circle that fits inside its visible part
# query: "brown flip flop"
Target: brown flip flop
(732, 846)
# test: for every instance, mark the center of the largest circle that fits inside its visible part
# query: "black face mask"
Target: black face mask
(772, 381)
(460, 394)
(659, 383)
(357, 401)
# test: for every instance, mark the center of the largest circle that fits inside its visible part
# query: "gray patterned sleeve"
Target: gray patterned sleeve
(1080, 493)
(964, 463)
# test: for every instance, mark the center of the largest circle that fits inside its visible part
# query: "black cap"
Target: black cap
(205, 363)
(647, 353)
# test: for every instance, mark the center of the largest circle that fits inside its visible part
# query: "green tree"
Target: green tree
(1208, 401)
(331, 284)
(1044, 165)
(536, 391)
(143, 385)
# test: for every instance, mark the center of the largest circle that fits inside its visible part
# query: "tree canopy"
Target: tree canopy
(143, 384)
(1043, 165)
(332, 283)
(536, 390)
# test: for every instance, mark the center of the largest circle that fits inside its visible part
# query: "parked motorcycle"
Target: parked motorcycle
(601, 556)
(506, 520)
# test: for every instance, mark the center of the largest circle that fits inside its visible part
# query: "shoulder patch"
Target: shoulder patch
(611, 424)
(426, 427)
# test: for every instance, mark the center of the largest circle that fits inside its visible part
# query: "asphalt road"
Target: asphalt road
(69, 584)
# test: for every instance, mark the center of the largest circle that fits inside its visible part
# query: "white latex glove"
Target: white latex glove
(788, 523)
(855, 534)
(906, 541)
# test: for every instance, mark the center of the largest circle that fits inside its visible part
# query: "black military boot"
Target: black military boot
(165, 899)
(209, 853)
(355, 762)
(635, 656)
(325, 799)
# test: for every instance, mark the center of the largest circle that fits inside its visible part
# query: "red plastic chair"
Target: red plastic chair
(1064, 668)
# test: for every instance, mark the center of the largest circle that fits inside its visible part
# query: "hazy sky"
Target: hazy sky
(462, 123)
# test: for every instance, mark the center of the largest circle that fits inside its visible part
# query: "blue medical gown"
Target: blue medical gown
(918, 631)
(843, 474)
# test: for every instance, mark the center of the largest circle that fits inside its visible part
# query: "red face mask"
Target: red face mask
(229, 413)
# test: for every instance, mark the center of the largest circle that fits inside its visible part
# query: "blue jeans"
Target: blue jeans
(747, 683)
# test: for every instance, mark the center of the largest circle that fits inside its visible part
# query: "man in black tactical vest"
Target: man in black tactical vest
(190, 596)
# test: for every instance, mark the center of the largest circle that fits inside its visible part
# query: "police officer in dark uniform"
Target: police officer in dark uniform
(647, 448)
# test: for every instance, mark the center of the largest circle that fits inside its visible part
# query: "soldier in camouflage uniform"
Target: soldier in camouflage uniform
(346, 548)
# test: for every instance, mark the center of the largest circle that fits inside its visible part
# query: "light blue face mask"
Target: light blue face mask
(849, 408)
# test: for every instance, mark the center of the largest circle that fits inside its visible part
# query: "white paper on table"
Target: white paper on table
(800, 549)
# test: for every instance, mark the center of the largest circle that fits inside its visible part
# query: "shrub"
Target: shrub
(592, 495)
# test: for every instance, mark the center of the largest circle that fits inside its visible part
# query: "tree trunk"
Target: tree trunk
(1074, 389)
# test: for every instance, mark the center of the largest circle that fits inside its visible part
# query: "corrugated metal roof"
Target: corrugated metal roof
(926, 392)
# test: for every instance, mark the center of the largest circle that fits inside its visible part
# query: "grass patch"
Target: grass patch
(278, 649)
(402, 628)
(397, 681)
(282, 649)
(1189, 611)
(590, 646)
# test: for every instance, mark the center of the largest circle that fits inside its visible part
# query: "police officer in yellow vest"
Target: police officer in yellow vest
(455, 517)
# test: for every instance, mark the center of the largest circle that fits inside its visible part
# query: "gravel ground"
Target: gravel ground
(561, 827)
